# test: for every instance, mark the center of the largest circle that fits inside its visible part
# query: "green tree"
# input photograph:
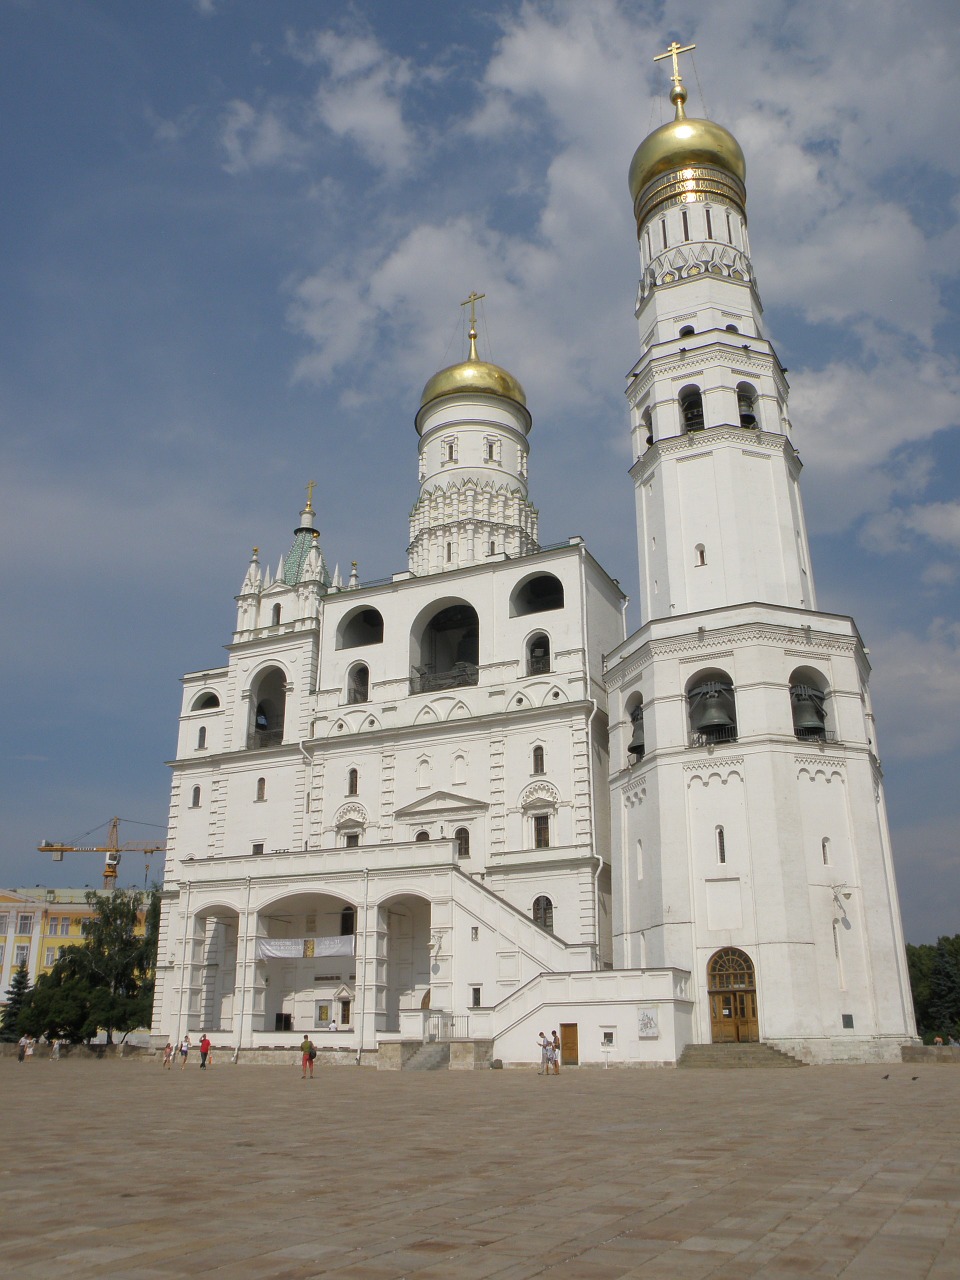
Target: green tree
(17, 994)
(945, 987)
(105, 983)
(920, 961)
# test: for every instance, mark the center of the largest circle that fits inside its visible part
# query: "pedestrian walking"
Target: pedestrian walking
(544, 1044)
(308, 1056)
(55, 1051)
(556, 1053)
(167, 1063)
(184, 1051)
(204, 1050)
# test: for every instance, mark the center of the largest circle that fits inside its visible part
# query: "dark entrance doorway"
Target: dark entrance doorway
(732, 990)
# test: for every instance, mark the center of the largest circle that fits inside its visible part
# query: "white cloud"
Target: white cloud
(918, 684)
(258, 138)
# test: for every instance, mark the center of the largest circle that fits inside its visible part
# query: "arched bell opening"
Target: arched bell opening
(445, 648)
(691, 409)
(362, 627)
(808, 705)
(646, 427)
(636, 748)
(538, 594)
(747, 405)
(538, 654)
(269, 700)
(712, 708)
(358, 683)
(732, 992)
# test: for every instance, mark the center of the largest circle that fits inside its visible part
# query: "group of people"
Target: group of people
(26, 1047)
(205, 1047)
(549, 1054)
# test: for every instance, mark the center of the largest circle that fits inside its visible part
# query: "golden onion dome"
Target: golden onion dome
(473, 374)
(685, 143)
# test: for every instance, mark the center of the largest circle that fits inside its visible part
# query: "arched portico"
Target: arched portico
(214, 970)
(305, 966)
(404, 926)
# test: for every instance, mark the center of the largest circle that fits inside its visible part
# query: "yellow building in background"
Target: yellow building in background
(37, 924)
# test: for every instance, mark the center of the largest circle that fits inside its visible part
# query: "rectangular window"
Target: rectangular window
(24, 923)
(258, 848)
(323, 1014)
(686, 225)
(49, 956)
(283, 1022)
(1, 954)
(344, 1013)
(475, 997)
(663, 231)
(474, 933)
(607, 1041)
(4, 922)
(541, 831)
(352, 840)
(709, 225)
(54, 928)
(64, 926)
(20, 954)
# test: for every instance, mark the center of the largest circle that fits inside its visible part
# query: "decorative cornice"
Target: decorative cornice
(821, 762)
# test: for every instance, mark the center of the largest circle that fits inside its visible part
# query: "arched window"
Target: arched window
(538, 655)
(808, 708)
(195, 799)
(365, 626)
(825, 850)
(543, 912)
(747, 404)
(206, 702)
(713, 709)
(462, 837)
(538, 760)
(269, 702)
(353, 782)
(201, 737)
(700, 552)
(537, 595)
(445, 648)
(261, 788)
(275, 616)
(721, 846)
(493, 548)
(422, 836)
(637, 747)
(358, 684)
(691, 409)
(687, 331)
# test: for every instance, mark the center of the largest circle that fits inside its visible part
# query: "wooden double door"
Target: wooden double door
(732, 990)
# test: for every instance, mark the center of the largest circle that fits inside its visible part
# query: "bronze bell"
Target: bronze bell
(712, 714)
(745, 408)
(808, 713)
(636, 747)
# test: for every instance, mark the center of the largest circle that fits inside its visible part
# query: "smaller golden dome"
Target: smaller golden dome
(473, 374)
(684, 143)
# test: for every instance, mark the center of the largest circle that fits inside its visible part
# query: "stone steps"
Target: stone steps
(736, 1055)
(429, 1057)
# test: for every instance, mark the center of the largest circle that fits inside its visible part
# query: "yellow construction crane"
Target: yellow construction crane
(113, 849)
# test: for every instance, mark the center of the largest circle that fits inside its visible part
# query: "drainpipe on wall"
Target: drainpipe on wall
(590, 778)
(183, 963)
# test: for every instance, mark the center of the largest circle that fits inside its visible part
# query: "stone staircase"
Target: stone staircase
(430, 1057)
(736, 1055)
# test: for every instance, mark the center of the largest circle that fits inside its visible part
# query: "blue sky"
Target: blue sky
(236, 235)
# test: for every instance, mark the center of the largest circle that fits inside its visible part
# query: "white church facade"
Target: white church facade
(461, 806)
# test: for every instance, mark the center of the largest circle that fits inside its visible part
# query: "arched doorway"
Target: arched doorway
(732, 989)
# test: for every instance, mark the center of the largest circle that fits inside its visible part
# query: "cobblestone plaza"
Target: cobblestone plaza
(594, 1175)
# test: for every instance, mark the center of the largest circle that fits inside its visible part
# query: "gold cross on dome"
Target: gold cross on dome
(672, 51)
(472, 303)
(311, 485)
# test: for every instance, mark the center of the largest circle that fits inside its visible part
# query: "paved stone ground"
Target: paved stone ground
(120, 1169)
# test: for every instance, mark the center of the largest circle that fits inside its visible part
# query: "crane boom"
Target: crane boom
(113, 849)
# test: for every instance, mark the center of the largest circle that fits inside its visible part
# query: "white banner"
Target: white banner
(303, 948)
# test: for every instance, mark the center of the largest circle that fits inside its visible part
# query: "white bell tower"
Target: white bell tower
(719, 515)
(749, 836)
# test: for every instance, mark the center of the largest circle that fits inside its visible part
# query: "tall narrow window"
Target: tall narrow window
(450, 452)
(358, 684)
(490, 449)
(543, 912)
(663, 231)
(825, 851)
(691, 409)
(649, 246)
(709, 225)
(353, 782)
(721, 846)
(202, 738)
(729, 231)
(701, 554)
(348, 919)
(538, 760)
(493, 548)
(261, 788)
(276, 616)
(686, 224)
(462, 837)
(449, 552)
(541, 831)
(195, 801)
